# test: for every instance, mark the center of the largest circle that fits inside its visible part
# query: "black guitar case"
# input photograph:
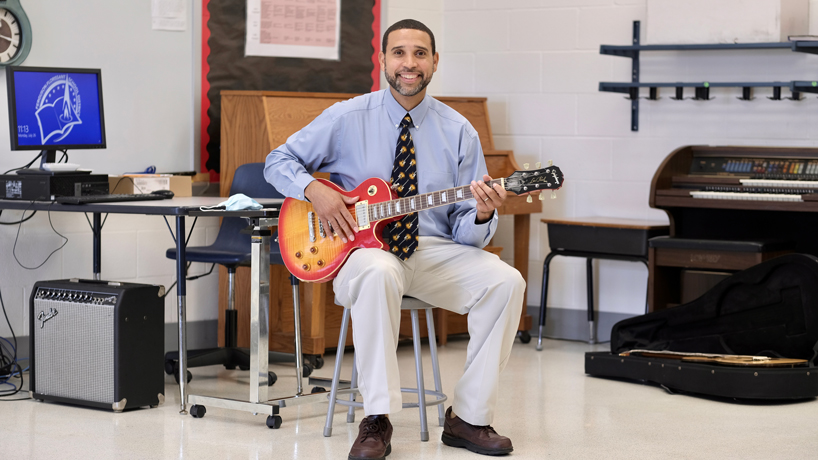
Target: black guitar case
(770, 309)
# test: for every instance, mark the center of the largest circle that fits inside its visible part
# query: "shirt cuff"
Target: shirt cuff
(299, 185)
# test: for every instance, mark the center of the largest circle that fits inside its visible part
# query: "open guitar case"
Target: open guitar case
(770, 309)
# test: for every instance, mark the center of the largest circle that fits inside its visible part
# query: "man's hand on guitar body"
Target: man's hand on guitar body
(488, 199)
(331, 208)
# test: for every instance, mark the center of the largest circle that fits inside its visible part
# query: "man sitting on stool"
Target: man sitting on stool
(435, 256)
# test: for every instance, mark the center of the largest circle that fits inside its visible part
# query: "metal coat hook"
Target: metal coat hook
(680, 94)
(776, 94)
(746, 94)
(796, 96)
(703, 93)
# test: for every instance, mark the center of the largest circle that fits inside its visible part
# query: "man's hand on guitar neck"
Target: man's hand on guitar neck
(488, 198)
(331, 208)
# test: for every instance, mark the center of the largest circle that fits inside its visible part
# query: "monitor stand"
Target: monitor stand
(47, 156)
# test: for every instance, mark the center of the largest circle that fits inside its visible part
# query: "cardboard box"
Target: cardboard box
(181, 186)
(725, 21)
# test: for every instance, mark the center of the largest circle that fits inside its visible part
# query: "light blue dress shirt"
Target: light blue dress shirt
(355, 140)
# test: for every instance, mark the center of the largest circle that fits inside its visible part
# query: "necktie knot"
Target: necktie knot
(406, 121)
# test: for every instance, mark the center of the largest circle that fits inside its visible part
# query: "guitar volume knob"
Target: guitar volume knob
(313, 250)
(305, 267)
(320, 263)
(298, 255)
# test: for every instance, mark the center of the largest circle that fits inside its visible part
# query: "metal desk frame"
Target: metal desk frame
(259, 329)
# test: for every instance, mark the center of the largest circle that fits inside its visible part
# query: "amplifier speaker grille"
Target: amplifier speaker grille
(74, 357)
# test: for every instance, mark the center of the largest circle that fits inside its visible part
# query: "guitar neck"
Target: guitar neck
(415, 203)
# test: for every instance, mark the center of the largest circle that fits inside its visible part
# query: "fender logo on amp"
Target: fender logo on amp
(43, 316)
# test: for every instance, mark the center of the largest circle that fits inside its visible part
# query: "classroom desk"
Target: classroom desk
(175, 207)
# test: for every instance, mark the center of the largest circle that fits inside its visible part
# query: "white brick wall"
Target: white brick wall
(538, 63)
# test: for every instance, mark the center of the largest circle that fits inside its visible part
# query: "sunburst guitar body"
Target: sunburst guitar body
(312, 253)
(316, 255)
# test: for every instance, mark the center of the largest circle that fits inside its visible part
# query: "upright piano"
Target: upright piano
(731, 195)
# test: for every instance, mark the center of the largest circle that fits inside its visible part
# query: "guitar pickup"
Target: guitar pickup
(311, 225)
(362, 214)
(321, 229)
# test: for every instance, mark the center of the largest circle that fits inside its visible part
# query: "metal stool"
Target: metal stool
(412, 304)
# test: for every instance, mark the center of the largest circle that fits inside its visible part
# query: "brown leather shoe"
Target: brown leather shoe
(374, 439)
(479, 439)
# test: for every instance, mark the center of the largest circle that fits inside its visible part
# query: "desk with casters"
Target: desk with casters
(596, 238)
(178, 208)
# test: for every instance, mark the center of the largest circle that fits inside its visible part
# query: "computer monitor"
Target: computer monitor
(54, 109)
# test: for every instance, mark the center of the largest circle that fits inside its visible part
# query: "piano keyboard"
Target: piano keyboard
(746, 196)
(780, 183)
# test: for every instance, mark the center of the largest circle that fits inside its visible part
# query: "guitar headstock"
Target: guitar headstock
(548, 178)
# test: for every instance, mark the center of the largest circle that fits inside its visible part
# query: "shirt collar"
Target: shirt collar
(396, 111)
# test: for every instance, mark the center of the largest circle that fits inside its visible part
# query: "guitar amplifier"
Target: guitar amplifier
(97, 343)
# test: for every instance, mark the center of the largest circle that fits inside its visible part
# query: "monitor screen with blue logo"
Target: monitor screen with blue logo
(55, 109)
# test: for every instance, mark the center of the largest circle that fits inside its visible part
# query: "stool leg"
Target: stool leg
(647, 287)
(353, 383)
(589, 265)
(424, 429)
(544, 296)
(430, 325)
(336, 375)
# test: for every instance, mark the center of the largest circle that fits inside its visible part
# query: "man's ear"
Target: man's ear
(437, 58)
(381, 60)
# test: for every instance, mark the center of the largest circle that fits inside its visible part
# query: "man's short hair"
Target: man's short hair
(408, 24)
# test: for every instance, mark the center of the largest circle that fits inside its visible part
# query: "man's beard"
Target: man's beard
(407, 92)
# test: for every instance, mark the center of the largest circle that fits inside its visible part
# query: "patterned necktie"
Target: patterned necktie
(402, 235)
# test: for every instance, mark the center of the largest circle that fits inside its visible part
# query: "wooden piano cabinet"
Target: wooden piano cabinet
(256, 122)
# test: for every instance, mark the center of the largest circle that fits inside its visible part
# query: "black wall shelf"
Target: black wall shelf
(702, 89)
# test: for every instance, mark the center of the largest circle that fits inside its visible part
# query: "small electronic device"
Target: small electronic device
(54, 109)
(48, 185)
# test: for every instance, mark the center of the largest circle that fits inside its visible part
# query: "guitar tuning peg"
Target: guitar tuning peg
(528, 199)
(537, 165)
(550, 163)
(541, 196)
(525, 166)
(553, 195)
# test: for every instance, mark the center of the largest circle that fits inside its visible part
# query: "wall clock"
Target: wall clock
(15, 33)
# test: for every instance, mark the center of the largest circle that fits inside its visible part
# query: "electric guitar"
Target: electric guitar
(312, 253)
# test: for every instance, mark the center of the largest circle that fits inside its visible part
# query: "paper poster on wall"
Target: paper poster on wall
(293, 28)
(169, 15)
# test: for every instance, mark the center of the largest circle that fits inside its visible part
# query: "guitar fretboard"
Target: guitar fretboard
(415, 203)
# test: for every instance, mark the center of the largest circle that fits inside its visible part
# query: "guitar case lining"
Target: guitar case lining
(770, 309)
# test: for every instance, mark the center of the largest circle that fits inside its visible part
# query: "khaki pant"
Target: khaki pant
(456, 277)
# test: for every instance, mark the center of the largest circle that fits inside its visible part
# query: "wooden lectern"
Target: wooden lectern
(256, 122)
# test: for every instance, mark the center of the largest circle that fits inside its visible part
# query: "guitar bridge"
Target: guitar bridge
(362, 214)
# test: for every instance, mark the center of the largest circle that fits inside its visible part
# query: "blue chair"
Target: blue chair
(232, 249)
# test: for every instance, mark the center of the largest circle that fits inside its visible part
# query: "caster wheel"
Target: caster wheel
(197, 411)
(316, 361)
(317, 390)
(307, 369)
(176, 376)
(271, 378)
(524, 336)
(274, 421)
(170, 366)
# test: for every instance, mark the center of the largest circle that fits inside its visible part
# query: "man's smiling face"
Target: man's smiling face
(408, 63)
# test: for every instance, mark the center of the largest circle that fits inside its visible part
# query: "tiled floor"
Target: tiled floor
(549, 408)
